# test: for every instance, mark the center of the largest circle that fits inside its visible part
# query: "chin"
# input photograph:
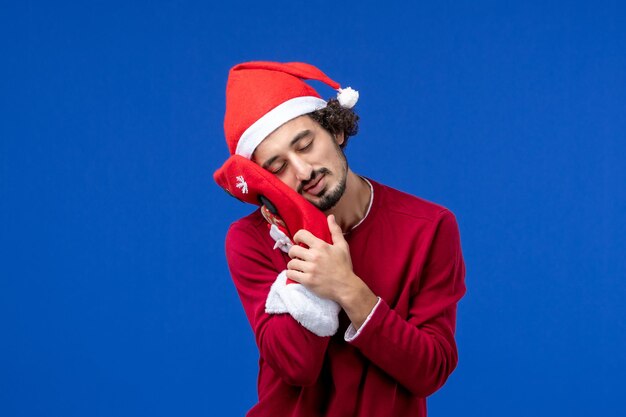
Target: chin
(329, 199)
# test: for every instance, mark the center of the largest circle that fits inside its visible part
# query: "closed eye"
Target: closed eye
(277, 171)
(304, 148)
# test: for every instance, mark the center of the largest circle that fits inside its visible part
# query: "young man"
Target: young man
(394, 269)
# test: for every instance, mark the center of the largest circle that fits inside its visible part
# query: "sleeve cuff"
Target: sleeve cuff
(352, 333)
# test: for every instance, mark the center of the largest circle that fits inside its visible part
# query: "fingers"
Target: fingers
(298, 265)
(335, 230)
(297, 276)
(306, 237)
(298, 252)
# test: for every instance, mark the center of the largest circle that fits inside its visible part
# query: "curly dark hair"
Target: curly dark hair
(336, 119)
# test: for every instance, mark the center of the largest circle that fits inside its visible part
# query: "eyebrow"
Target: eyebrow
(295, 140)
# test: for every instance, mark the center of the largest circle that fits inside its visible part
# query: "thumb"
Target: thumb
(335, 230)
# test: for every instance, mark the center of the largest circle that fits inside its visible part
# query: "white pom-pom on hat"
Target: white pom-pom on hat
(347, 97)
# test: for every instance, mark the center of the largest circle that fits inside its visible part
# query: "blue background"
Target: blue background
(115, 298)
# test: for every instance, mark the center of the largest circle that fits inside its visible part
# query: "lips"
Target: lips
(312, 186)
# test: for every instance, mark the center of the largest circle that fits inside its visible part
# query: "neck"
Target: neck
(352, 206)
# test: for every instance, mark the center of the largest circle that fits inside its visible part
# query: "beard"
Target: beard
(329, 198)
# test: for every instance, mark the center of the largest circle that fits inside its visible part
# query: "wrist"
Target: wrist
(358, 303)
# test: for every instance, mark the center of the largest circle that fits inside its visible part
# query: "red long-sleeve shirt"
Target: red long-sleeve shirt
(408, 251)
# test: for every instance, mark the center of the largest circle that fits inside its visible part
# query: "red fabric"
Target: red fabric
(293, 209)
(255, 88)
(408, 252)
(296, 211)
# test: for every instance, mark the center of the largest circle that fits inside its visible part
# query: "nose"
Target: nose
(302, 169)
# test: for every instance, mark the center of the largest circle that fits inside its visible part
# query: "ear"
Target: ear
(339, 138)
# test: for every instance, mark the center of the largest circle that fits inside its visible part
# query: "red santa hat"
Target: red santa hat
(262, 96)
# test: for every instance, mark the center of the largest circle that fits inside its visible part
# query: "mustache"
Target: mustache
(313, 178)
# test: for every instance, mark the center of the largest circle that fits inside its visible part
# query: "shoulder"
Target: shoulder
(248, 242)
(407, 205)
(250, 227)
(252, 221)
(409, 215)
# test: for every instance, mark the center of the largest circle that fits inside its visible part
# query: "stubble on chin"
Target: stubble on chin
(330, 198)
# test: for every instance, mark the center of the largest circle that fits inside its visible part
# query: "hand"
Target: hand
(325, 269)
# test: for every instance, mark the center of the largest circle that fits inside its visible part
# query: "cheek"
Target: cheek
(336, 160)
(290, 181)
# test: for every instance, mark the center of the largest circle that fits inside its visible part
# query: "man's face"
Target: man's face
(308, 159)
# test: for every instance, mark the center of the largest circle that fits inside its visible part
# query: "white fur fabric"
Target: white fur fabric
(318, 315)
